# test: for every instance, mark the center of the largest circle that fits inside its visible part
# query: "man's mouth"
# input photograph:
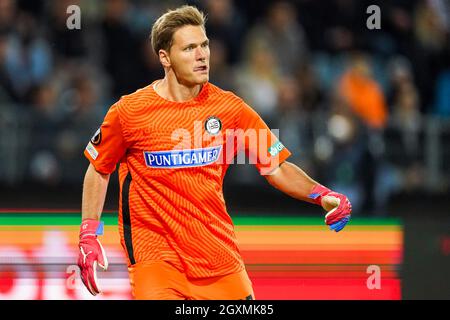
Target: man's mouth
(201, 69)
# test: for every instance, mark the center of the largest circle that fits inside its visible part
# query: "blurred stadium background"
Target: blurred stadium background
(366, 112)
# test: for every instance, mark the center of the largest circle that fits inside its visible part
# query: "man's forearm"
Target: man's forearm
(94, 193)
(293, 181)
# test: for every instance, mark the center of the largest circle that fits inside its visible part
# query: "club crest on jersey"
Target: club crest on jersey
(182, 158)
(97, 138)
(213, 125)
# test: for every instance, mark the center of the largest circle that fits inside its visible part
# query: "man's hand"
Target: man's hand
(91, 254)
(337, 205)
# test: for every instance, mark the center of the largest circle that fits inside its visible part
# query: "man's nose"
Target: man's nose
(200, 54)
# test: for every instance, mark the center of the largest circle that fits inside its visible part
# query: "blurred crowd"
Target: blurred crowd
(349, 101)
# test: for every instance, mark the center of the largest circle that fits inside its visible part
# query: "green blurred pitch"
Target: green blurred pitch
(62, 218)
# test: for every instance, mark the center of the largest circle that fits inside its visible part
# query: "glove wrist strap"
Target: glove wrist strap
(317, 193)
(91, 227)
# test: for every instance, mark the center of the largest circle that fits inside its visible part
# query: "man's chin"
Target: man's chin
(203, 80)
(199, 80)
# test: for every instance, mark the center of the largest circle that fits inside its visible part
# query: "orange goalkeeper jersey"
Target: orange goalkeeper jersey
(173, 157)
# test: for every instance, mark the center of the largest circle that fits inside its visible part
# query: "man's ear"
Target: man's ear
(164, 58)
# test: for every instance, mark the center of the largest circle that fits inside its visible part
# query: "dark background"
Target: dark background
(288, 59)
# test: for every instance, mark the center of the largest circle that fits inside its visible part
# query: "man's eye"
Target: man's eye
(189, 48)
(205, 45)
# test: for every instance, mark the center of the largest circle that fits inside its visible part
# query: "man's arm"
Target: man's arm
(290, 179)
(94, 193)
(91, 250)
(293, 181)
(104, 151)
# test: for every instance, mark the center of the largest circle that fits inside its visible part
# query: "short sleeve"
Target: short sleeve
(107, 146)
(260, 144)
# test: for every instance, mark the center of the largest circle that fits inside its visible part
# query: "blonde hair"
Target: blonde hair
(171, 21)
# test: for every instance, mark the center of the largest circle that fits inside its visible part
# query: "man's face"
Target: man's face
(189, 55)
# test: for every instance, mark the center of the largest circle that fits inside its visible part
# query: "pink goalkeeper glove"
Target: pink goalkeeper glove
(91, 254)
(338, 206)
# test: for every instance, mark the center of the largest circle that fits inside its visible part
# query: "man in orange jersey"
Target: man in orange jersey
(174, 140)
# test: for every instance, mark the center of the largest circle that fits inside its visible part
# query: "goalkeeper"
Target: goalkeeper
(174, 227)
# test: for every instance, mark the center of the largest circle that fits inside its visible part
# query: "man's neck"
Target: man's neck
(170, 89)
